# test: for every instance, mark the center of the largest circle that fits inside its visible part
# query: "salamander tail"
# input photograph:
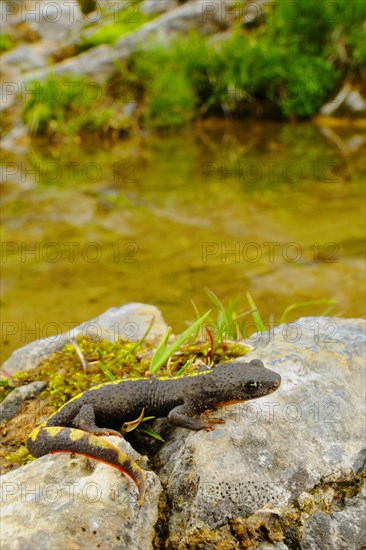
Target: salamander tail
(55, 439)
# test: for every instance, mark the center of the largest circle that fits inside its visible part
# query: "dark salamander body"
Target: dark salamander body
(103, 409)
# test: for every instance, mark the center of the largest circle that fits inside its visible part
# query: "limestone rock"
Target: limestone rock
(273, 448)
(344, 529)
(63, 502)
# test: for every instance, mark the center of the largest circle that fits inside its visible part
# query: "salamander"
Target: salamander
(186, 402)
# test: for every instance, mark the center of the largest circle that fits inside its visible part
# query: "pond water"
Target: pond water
(273, 209)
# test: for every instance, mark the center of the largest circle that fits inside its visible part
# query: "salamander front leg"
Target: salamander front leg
(85, 420)
(184, 417)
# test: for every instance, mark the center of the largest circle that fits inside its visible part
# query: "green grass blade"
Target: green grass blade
(140, 342)
(304, 304)
(158, 357)
(195, 309)
(327, 310)
(255, 313)
(104, 367)
(185, 366)
(162, 352)
(195, 335)
(151, 433)
(214, 299)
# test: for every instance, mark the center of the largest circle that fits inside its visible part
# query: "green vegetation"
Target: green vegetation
(288, 65)
(170, 81)
(6, 43)
(230, 325)
(292, 63)
(71, 106)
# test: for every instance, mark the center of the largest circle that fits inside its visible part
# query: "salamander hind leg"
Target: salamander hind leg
(85, 420)
(184, 417)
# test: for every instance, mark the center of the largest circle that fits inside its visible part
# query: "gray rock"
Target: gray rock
(57, 20)
(99, 62)
(129, 321)
(24, 58)
(348, 101)
(64, 502)
(355, 102)
(60, 21)
(272, 449)
(151, 7)
(199, 15)
(341, 530)
(17, 140)
(10, 405)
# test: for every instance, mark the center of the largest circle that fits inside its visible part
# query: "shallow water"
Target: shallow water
(274, 209)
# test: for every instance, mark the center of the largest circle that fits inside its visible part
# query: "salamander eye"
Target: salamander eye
(251, 386)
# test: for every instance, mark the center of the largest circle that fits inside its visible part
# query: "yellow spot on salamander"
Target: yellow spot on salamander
(33, 435)
(76, 434)
(54, 430)
(99, 442)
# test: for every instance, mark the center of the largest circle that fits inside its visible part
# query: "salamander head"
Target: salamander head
(242, 381)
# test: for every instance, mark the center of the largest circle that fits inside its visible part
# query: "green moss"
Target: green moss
(114, 21)
(6, 43)
(19, 457)
(112, 32)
